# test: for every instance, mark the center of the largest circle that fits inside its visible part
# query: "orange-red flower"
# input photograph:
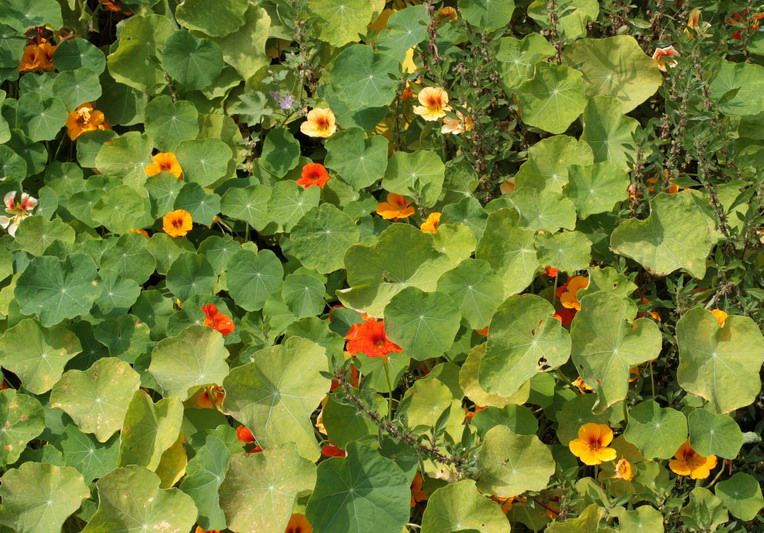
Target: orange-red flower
(663, 56)
(417, 494)
(177, 223)
(396, 206)
(321, 123)
(330, 450)
(353, 379)
(483, 332)
(245, 435)
(470, 413)
(720, 316)
(116, 6)
(164, 162)
(200, 529)
(369, 338)
(85, 118)
(551, 272)
(591, 444)
(216, 320)
(565, 315)
(37, 56)
(313, 174)
(207, 400)
(738, 19)
(256, 449)
(688, 462)
(581, 385)
(434, 102)
(569, 291)
(298, 523)
(431, 224)
(623, 470)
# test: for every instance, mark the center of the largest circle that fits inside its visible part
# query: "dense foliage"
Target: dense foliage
(348, 266)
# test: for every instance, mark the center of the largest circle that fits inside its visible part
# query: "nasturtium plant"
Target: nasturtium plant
(391, 266)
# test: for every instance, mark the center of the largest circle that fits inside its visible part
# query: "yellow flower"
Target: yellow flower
(457, 125)
(581, 385)
(321, 123)
(569, 297)
(85, 118)
(434, 102)
(687, 462)
(507, 186)
(431, 224)
(164, 162)
(407, 65)
(591, 444)
(396, 206)
(177, 223)
(623, 470)
(720, 316)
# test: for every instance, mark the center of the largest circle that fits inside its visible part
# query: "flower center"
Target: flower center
(322, 123)
(177, 223)
(595, 443)
(433, 103)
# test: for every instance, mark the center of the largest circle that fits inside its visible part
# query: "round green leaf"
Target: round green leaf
(342, 423)
(91, 458)
(149, 430)
(126, 157)
(244, 49)
(576, 412)
(11, 164)
(321, 238)
(204, 161)
(73, 54)
(516, 58)
(358, 161)
(36, 233)
(543, 210)
(419, 173)
(253, 277)
(468, 381)
(361, 78)
(169, 123)
(608, 131)
(135, 62)
(125, 337)
(339, 22)
(657, 431)
(194, 62)
(41, 119)
(202, 206)
(643, 518)
(75, 87)
(281, 152)
(460, 506)
(121, 209)
(289, 202)
(712, 434)
(488, 15)
(741, 494)
(475, 288)
(129, 258)
(572, 20)
(405, 28)
(216, 20)
(553, 98)
(704, 512)
(23, 418)
(249, 204)
(204, 474)
(596, 188)
(548, 162)
(191, 274)
(744, 80)
(25, 14)
(567, 251)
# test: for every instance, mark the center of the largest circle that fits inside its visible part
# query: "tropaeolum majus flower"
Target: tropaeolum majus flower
(623, 470)
(591, 446)
(687, 462)
(85, 118)
(298, 523)
(369, 338)
(217, 320)
(245, 435)
(431, 224)
(663, 56)
(396, 206)
(568, 292)
(313, 174)
(434, 102)
(321, 123)
(164, 162)
(177, 223)
(457, 125)
(38, 55)
(18, 211)
(417, 494)
(720, 316)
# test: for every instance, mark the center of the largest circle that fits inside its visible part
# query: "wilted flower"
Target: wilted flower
(18, 211)
(321, 122)
(663, 56)
(623, 470)
(434, 102)
(457, 125)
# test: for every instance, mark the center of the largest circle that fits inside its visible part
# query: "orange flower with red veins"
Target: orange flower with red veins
(321, 123)
(369, 339)
(434, 102)
(396, 206)
(200, 529)
(298, 524)
(85, 118)
(623, 470)
(313, 174)
(417, 494)
(688, 462)
(164, 162)
(245, 435)
(568, 297)
(591, 444)
(177, 223)
(37, 56)
(431, 224)
(663, 56)
(209, 398)
(720, 316)
(581, 385)
(216, 320)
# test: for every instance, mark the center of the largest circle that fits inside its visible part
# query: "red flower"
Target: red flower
(217, 321)
(244, 435)
(256, 449)
(313, 174)
(737, 18)
(369, 338)
(353, 379)
(332, 451)
(565, 315)
(551, 272)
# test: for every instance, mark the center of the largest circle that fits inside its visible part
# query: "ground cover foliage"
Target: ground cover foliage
(355, 265)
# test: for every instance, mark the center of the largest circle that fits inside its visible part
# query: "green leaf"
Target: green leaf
(125, 337)
(260, 489)
(37, 355)
(276, 393)
(339, 22)
(548, 162)
(191, 274)
(130, 497)
(321, 238)
(40, 118)
(704, 512)
(201, 206)
(747, 79)
(75, 87)
(92, 458)
(73, 54)
(289, 202)
(553, 99)
(461, 506)
(476, 290)
(281, 152)
(358, 161)
(163, 190)
(218, 20)
(468, 381)
(720, 364)
(135, 62)
(517, 59)
(39, 497)
(122, 209)
(253, 277)
(249, 204)
(126, 157)
(169, 123)
(607, 343)
(596, 188)
(23, 418)
(572, 17)
(244, 49)
(55, 290)
(204, 474)
(567, 251)
(523, 340)
(361, 78)
(194, 62)
(643, 518)
(657, 431)
(679, 233)
(615, 66)
(487, 15)
(36, 233)
(405, 28)
(129, 258)
(11, 164)
(343, 423)
(576, 412)
(543, 210)
(165, 250)
(358, 493)
(609, 280)
(588, 521)
(149, 430)
(25, 14)
(712, 434)
(608, 131)
(419, 174)
(509, 250)
(424, 324)
(509, 464)
(204, 161)
(741, 494)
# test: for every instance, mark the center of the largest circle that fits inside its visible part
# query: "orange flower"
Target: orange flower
(663, 56)
(85, 118)
(447, 13)
(217, 321)
(507, 186)
(369, 338)
(140, 232)
(396, 206)
(313, 174)
(37, 56)
(331, 450)
(551, 272)
(200, 529)
(353, 379)
(321, 123)
(623, 470)
(483, 332)
(689, 463)
(116, 6)
(581, 385)
(298, 524)
(470, 413)
(177, 223)
(256, 449)
(720, 316)
(417, 494)
(565, 315)
(165, 162)
(457, 125)
(245, 435)
(204, 401)
(431, 224)
(434, 102)
(407, 92)
(591, 444)
(570, 290)
(407, 65)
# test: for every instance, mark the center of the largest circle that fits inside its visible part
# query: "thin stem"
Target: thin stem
(652, 378)
(389, 389)
(716, 478)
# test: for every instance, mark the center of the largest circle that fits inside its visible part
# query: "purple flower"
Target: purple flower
(285, 102)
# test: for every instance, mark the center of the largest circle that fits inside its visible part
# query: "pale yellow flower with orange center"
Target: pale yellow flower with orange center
(720, 316)
(320, 122)
(431, 224)
(688, 462)
(623, 470)
(591, 444)
(663, 56)
(457, 125)
(434, 102)
(164, 162)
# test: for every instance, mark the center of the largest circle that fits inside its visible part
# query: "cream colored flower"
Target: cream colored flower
(321, 123)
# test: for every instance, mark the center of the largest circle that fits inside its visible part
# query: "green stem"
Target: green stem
(652, 378)
(718, 475)
(389, 389)
(554, 290)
